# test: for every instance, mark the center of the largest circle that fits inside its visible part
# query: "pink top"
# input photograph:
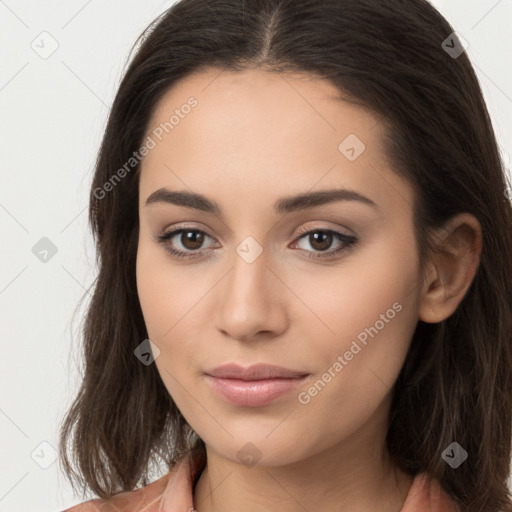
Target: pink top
(174, 493)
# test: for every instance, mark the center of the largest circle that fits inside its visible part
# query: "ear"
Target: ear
(453, 267)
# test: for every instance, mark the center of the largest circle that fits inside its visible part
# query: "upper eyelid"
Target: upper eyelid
(178, 226)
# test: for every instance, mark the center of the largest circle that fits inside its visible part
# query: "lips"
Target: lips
(255, 385)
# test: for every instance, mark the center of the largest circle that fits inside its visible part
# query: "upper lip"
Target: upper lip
(254, 372)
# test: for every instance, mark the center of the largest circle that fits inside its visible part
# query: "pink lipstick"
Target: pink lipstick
(253, 386)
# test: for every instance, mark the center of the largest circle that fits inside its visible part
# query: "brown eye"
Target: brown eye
(191, 239)
(320, 240)
(184, 243)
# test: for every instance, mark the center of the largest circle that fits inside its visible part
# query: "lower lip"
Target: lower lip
(253, 393)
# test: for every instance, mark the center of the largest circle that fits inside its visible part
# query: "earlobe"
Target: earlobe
(453, 267)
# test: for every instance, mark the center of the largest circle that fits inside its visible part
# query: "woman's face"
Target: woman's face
(267, 278)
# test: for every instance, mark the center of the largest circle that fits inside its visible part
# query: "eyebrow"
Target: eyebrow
(282, 206)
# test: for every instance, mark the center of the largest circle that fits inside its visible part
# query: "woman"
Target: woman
(304, 240)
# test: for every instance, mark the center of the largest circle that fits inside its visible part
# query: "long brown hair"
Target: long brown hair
(391, 57)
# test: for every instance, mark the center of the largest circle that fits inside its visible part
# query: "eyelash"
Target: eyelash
(349, 242)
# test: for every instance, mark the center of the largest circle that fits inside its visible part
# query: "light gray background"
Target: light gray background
(52, 112)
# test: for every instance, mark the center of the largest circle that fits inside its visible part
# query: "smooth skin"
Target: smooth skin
(254, 138)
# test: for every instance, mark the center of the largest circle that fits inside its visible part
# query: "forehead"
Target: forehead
(262, 104)
(254, 134)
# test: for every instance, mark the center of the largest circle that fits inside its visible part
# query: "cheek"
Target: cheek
(163, 304)
(171, 299)
(168, 293)
(365, 312)
(347, 299)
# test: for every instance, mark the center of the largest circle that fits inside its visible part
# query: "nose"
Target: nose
(251, 300)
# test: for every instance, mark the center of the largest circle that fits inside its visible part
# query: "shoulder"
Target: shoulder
(427, 494)
(127, 501)
(171, 491)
